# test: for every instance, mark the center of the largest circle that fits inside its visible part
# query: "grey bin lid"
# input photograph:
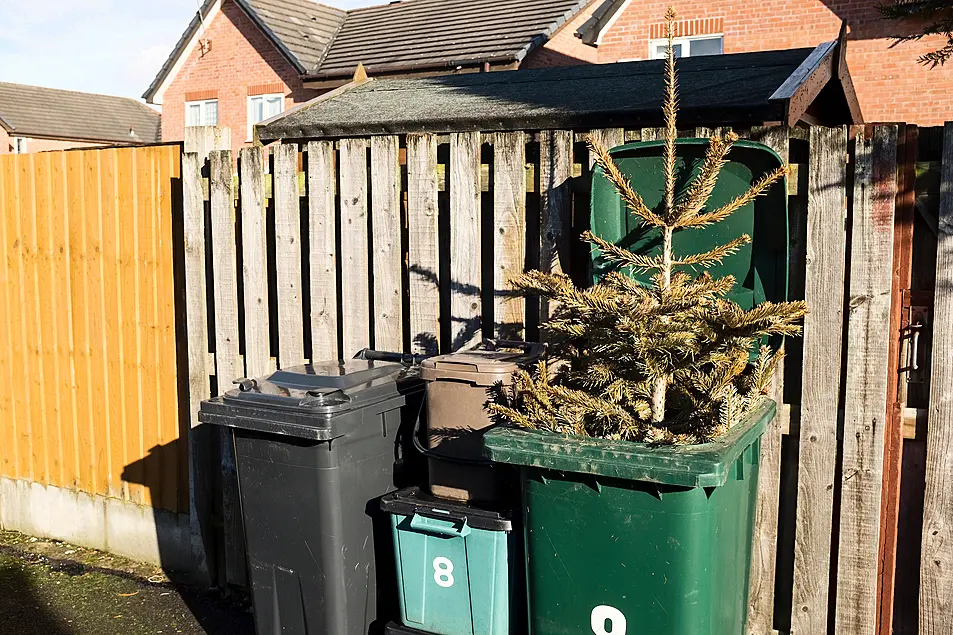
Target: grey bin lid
(326, 388)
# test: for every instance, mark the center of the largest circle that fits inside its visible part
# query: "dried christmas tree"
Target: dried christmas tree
(664, 362)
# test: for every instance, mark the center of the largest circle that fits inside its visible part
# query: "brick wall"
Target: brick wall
(41, 145)
(241, 62)
(564, 48)
(890, 84)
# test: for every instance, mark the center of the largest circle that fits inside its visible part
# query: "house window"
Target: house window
(19, 145)
(262, 107)
(201, 113)
(688, 46)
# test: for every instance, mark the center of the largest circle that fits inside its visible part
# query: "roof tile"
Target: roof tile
(34, 111)
(432, 33)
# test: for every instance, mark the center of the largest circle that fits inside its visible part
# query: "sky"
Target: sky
(114, 47)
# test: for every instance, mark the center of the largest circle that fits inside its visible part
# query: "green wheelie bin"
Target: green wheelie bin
(623, 538)
(760, 268)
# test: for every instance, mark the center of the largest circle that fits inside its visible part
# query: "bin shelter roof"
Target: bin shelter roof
(807, 86)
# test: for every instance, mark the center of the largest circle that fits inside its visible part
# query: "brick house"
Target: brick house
(891, 85)
(37, 119)
(243, 61)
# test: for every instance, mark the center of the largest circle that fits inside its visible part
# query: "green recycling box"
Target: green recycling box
(760, 268)
(627, 539)
(453, 564)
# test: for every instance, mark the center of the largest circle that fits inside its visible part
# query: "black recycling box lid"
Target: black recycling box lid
(412, 501)
(304, 401)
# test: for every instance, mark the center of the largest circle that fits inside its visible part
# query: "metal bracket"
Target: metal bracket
(916, 322)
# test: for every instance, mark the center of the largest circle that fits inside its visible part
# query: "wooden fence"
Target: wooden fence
(407, 243)
(88, 327)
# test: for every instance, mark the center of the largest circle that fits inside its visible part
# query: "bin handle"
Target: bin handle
(425, 524)
(530, 349)
(432, 454)
(407, 359)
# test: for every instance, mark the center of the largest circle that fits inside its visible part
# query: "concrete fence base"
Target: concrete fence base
(140, 533)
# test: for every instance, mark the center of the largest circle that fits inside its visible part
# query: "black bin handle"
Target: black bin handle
(407, 359)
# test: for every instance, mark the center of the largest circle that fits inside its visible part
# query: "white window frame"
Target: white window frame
(686, 43)
(203, 105)
(265, 97)
(19, 145)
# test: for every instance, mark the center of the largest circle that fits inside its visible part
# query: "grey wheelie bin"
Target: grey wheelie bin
(317, 447)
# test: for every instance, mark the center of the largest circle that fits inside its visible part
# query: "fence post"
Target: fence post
(555, 171)
(355, 302)
(200, 496)
(465, 272)
(865, 408)
(228, 362)
(288, 256)
(423, 244)
(765, 541)
(386, 238)
(936, 563)
(823, 326)
(509, 221)
(204, 459)
(323, 230)
(255, 262)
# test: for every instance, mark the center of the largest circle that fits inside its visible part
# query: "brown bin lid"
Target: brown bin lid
(483, 368)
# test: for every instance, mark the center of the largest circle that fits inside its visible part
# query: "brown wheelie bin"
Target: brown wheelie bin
(458, 387)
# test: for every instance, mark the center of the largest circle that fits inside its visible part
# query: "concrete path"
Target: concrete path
(49, 588)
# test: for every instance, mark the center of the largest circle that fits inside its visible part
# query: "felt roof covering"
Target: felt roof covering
(716, 90)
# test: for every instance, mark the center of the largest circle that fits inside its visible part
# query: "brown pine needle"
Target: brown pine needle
(670, 110)
(723, 212)
(614, 253)
(701, 187)
(632, 198)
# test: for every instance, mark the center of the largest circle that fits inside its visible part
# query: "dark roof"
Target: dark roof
(327, 43)
(32, 111)
(303, 27)
(589, 32)
(442, 33)
(715, 90)
(179, 47)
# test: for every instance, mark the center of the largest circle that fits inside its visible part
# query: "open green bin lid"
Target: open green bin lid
(760, 268)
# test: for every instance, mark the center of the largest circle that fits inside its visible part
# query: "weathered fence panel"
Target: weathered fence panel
(396, 260)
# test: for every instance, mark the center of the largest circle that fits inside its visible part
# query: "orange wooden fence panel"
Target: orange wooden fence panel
(87, 323)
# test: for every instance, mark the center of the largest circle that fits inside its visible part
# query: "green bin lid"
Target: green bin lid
(760, 268)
